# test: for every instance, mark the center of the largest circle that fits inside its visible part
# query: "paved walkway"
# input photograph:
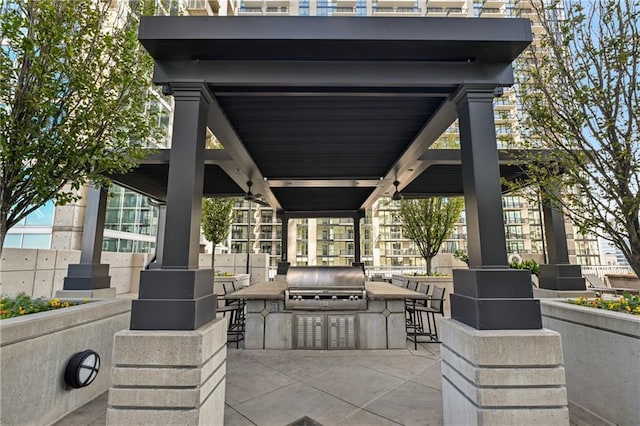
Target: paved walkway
(353, 388)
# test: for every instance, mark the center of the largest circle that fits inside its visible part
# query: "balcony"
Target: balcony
(460, 4)
(345, 3)
(457, 12)
(200, 8)
(492, 13)
(396, 3)
(398, 11)
(436, 11)
(277, 11)
(523, 4)
(344, 11)
(493, 4)
(250, 4)
(537, 28)
(277, 3)
(250, 11)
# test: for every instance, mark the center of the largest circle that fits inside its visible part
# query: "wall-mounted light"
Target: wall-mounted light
(82, 369)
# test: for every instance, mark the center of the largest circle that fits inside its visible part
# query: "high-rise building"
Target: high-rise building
(131, 220)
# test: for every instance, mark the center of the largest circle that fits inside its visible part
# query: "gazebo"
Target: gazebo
(323, 115)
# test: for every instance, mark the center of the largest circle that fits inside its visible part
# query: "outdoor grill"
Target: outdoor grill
(325, 288)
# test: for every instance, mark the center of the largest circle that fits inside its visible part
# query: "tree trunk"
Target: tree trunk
(213, 258)
(429, 259)
(3, 234)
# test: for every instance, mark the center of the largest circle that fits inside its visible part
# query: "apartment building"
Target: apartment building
(131, 219)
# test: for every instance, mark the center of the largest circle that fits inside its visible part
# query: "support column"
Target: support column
(162, 217)
(179, 296)
(90, 278)
(489, 295)
(283, 265)
(356, 240)
(498, 365)
(558, 276)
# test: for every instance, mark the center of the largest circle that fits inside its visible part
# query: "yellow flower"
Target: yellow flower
(627, 308)
(21, 310)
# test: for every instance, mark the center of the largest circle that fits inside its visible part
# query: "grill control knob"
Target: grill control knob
(317, 298)
(334, 297)
(356, 298)
(350, 297)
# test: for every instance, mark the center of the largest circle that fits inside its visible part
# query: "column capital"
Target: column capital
(193, 90)
(476, 92)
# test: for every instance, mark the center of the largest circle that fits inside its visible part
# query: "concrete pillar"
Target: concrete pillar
(488, 295)
(90, 278)
(502, 377)
(169, 377)
(179, 296)
(558, 276)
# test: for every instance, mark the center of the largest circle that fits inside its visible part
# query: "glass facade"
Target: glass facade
(131, 222)
(34, 231)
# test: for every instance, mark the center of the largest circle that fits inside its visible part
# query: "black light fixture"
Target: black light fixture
(82, 369)
(396, 195)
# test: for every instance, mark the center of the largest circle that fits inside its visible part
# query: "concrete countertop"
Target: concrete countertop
(275, 290)
(260, 291)
(385, 291)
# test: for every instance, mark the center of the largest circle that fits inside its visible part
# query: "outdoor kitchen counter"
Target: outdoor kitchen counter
(262, 291)
(380, 325)
(275, 290)
(385, 291)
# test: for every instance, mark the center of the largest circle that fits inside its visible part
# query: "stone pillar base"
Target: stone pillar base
(543, 293)
(502, 377)
(169, 377)
(99, 293)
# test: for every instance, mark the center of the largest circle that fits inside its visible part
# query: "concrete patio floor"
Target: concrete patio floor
(357, 388)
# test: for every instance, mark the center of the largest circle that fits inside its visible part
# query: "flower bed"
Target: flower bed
(23, 304)
(626, 303)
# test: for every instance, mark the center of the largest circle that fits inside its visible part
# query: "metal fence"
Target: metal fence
(388, 271)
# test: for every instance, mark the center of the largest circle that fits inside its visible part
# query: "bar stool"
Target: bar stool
(236, 311)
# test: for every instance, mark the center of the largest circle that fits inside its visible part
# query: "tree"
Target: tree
(73, 95)
(430, 221)
(581, 96)
(216, 221)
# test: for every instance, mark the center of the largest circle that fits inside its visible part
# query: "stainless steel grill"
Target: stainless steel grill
(325, 288)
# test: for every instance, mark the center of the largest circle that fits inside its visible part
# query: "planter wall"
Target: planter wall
(40, 273)
(236, 263)
(35, 349)
(601, 352)
(446, 282)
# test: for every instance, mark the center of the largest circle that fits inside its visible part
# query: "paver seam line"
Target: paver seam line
(391, 374)
(227, 406)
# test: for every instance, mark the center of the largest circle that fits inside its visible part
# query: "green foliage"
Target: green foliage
(430, 221)
(579, 92)
(73, 95)
(462, 256)
(216, 218)
(23, 304)
(626, 303)
(530, 264)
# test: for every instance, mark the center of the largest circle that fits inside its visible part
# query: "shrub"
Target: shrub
(530, 264)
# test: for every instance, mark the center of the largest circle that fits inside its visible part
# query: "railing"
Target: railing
(388, 271)
(601, 271)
